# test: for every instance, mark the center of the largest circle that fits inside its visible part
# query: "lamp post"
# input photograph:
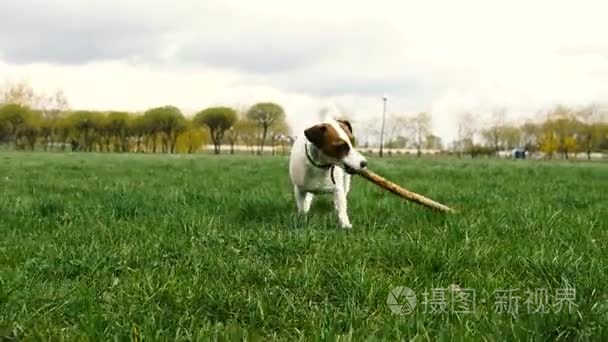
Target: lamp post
(231, 139)
(384, 98)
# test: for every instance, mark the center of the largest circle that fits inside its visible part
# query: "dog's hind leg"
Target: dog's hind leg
(303, 200)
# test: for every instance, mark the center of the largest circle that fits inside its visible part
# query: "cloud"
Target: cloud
(36, 31)
(437, 56)
(253, 52)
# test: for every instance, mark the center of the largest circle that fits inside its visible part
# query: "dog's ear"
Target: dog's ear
(347, 124)
(316, 134)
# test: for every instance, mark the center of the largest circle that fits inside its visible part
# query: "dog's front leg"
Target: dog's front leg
(303, 200)
(346, 183)
(341, 208)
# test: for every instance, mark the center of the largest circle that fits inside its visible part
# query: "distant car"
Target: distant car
(518, 153)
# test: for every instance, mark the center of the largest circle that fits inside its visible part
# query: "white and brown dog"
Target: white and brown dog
(320, 162)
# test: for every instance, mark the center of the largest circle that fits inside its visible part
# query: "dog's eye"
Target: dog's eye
(343, 147)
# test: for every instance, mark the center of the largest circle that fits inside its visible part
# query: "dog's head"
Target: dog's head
(334, 138)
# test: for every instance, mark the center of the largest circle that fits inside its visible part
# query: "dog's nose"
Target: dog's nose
(363, 164)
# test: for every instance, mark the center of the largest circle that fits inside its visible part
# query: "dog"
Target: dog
(321, 162)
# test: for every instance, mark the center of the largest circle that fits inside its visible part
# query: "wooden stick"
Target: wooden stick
(397, 190)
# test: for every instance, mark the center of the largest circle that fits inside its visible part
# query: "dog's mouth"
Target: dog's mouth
(349, 169)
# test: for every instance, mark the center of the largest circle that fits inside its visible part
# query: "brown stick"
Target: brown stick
(397, 190)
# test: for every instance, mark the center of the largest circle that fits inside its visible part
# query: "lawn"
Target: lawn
(195, 247)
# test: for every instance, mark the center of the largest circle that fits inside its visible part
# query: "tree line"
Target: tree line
(403, 131)
(29, 121)
(559, 132)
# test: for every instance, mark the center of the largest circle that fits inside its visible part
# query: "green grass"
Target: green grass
(192, 247)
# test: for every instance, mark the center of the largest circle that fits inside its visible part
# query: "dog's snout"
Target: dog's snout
(363, 164)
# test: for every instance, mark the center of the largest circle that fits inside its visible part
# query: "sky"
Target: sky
(442, 57)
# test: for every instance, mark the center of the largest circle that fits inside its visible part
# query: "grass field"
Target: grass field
(191, 247)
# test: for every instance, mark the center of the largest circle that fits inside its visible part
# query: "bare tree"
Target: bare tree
(421, 128)
(467, 127)
(495, 132)
(397, 130)
(20, 93)
(368, 129)
(590, 118)
(530, 136)
(433, 141)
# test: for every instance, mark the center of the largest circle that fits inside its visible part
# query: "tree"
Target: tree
(59, 102)
(467, 127)
(590, 135)
(63, 129)
(603, 136)
(501, 137)
(48, 129)
(218, 120)
(165, 123)
(151, 125)
(495, 133)
(118, 129)
(548, 143)
(85, 125)
(530, 136)
(5, 127)
(433, 142)
(20, 93)
(398, 127)
(138, 127)
(21, 125)
(421, 127)
(279, 132)
(13, 119)
(397, 142)
(31, 128)
(266, 114)
(103, 132)
(510, 136)
(563, 124)
(368, 129)
(245, 130)
(51, 107)
(171, 125)
(233, 136)
(191, 139)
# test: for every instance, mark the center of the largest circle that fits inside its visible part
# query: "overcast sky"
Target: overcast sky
(444, 57)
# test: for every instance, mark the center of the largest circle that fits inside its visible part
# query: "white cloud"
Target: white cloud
(438, 56)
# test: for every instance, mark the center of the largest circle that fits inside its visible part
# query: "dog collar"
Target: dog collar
(320, 166)
(331, 167)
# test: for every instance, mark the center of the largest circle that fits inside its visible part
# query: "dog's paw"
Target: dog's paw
(346, 225)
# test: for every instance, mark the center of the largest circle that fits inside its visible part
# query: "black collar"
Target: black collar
(320, 166)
